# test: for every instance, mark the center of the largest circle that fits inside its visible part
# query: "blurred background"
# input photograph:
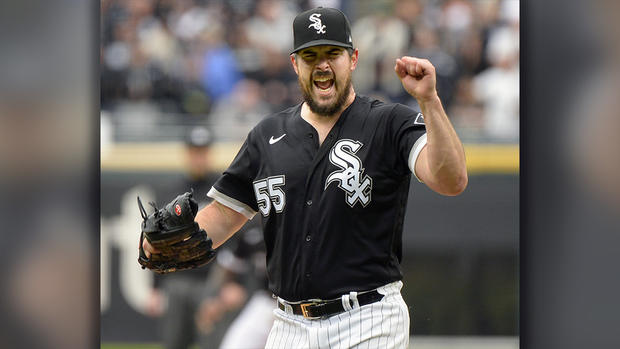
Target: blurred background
(172, 69)
(51, 169)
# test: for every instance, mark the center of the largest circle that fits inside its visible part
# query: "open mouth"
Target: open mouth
(323, 83)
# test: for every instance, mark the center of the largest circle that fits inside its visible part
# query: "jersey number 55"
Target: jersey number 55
(268, 193)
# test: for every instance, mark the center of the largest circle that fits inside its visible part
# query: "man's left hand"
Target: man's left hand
(418, 77)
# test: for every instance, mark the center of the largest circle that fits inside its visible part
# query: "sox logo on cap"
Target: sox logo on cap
(316, 23)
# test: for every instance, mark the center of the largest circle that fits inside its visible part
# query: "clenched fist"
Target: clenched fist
(418, 77)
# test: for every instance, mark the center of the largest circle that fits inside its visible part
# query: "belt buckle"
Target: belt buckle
(304, 309)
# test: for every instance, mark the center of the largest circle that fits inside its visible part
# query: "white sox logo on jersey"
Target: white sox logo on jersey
(316, 23)
(351, 178)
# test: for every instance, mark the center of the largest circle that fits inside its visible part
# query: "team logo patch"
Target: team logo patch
(351, 176)
(316, 23)
(419, 119)
(177, 209)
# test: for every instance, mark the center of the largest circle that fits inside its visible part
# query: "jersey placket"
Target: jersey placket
(311, 141)
(312, 198)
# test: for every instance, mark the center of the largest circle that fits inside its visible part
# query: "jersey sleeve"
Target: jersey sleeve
(408, 136)
(234, 188)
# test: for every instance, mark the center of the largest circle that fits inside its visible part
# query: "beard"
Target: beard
(325, 109)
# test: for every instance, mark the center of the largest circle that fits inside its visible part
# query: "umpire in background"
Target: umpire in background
(177, 297)
(330, 178)
(199, 174)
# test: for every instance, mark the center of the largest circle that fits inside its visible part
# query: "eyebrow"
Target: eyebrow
(313, 52)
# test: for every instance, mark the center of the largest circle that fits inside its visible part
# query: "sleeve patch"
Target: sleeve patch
(419, 120)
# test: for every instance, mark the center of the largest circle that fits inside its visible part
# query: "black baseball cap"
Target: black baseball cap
(198, 137)
(321, 26)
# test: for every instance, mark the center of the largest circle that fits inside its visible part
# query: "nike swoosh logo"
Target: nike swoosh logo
(274, 140)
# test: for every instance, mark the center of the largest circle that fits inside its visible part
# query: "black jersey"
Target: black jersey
(332, 214)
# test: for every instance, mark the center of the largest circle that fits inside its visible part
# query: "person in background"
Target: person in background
(178, 298)
(248, 266)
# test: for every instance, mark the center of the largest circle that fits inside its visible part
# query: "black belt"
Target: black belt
(314, 310)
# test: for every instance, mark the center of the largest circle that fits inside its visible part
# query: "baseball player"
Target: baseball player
(330, 179)
(247, 262)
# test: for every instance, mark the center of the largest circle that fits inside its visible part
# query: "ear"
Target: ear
(354, 58)
(294, 63)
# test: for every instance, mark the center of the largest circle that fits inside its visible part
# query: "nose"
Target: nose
(322, 64)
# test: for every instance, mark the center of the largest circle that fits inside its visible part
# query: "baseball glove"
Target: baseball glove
(172, 230)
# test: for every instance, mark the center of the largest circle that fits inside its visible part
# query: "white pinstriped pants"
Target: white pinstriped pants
(383, 324)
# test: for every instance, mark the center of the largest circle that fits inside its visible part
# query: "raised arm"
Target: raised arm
(441, 163)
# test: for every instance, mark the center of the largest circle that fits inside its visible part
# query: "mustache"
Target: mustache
(322, 74)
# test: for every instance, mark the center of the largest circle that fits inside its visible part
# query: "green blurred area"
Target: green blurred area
(459, 295)
(130, 346)
(135, 346)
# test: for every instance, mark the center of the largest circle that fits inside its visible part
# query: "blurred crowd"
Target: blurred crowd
(226, 63)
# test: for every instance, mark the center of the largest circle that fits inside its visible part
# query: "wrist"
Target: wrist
(429, 101)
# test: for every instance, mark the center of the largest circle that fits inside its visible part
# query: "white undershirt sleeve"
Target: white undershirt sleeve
(415, 152)
(231, 203)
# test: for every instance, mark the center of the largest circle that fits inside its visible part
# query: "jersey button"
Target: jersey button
(309, 202)
(308, 237)
(309, 135)
(308, 275)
